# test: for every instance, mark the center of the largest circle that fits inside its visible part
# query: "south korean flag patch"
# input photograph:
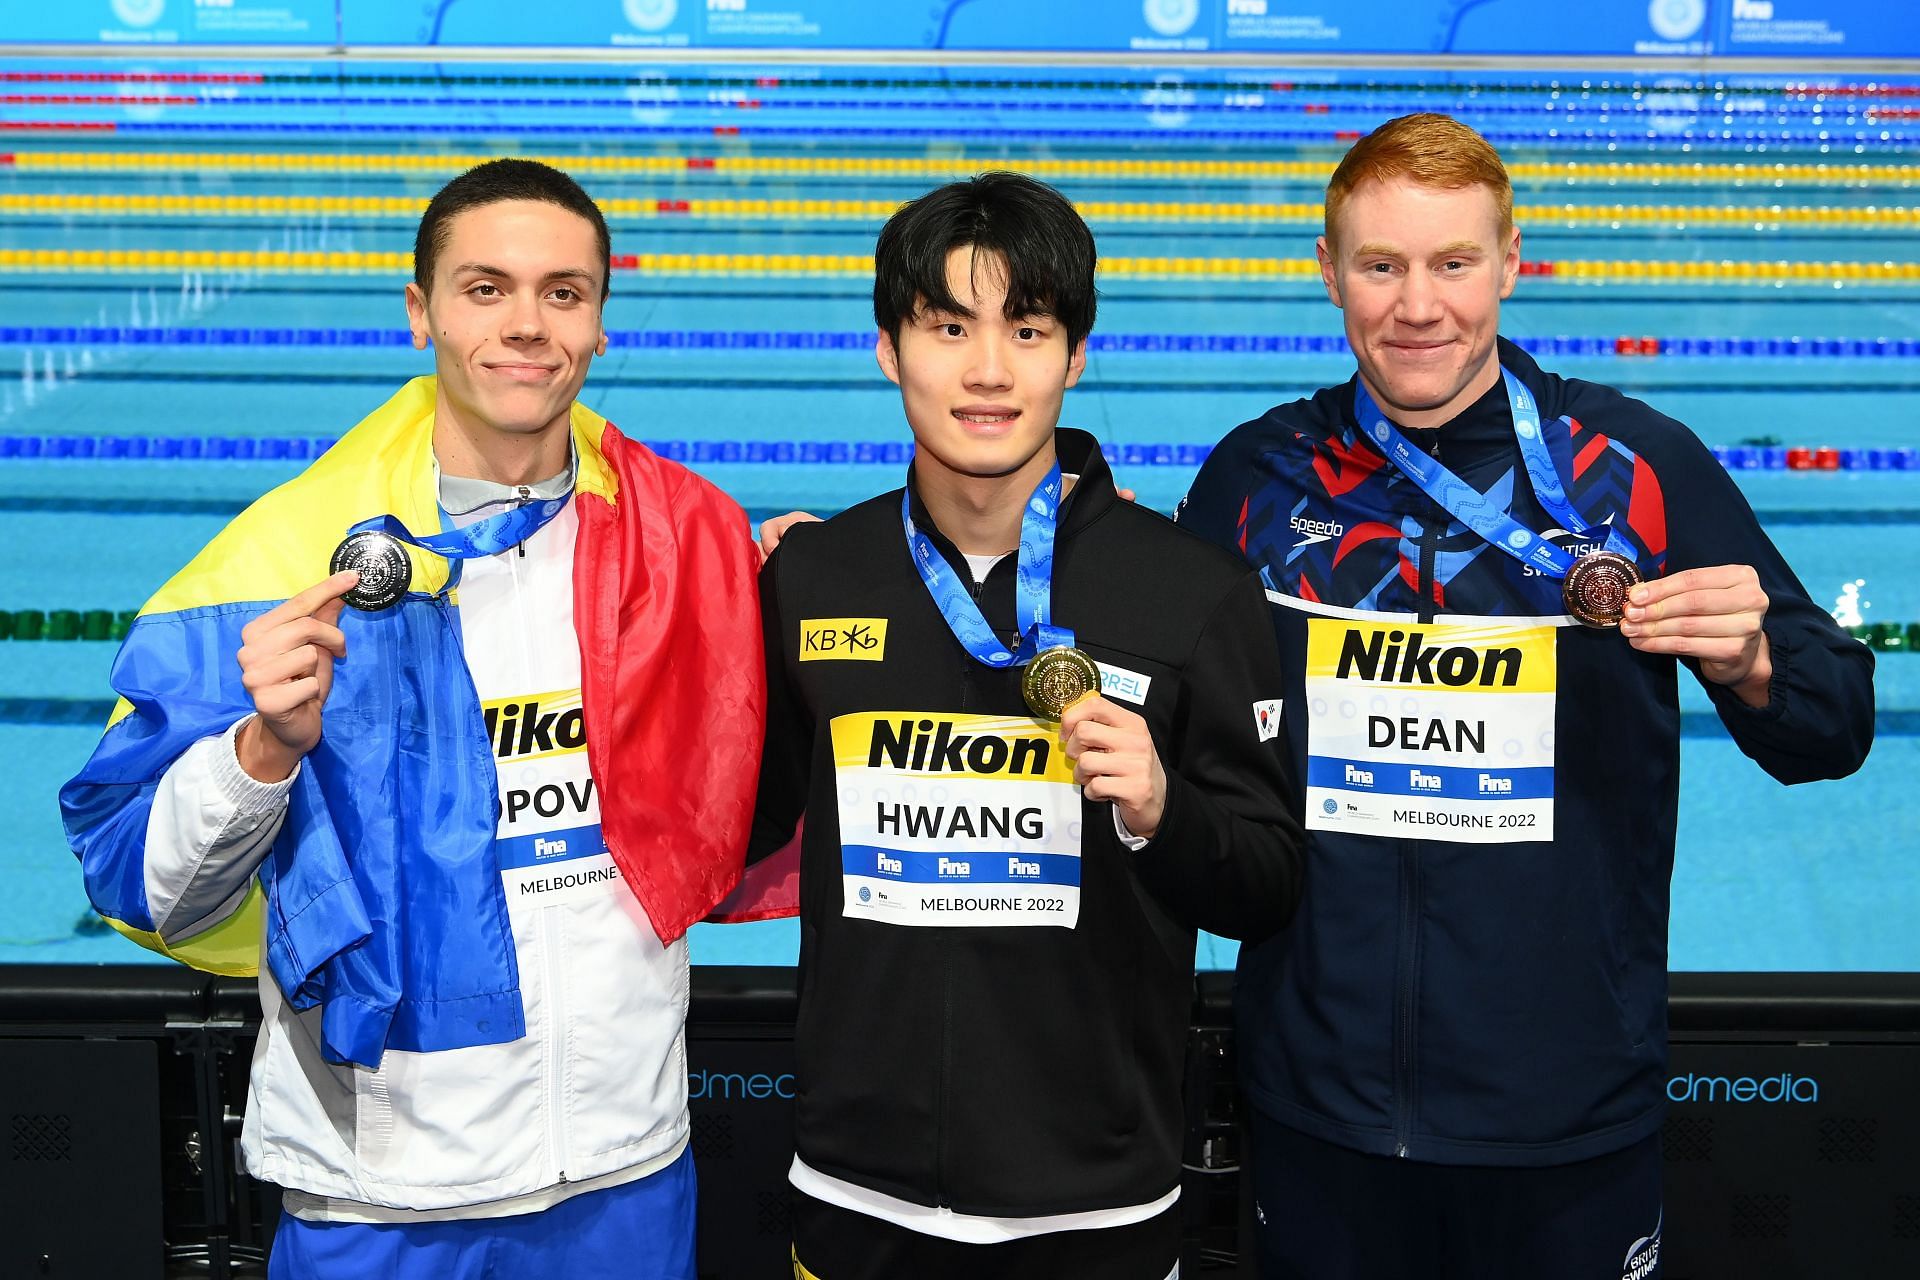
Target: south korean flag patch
(1266, 719)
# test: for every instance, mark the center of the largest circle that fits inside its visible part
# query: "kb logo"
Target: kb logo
(843, 639)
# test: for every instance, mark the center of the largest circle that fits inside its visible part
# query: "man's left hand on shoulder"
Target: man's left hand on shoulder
(1114, 759)
(1713, 615)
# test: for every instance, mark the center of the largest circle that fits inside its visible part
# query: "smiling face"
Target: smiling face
(1418, 273)
(514, 317)
(982, 391)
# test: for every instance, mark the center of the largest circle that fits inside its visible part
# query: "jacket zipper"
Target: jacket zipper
(1430, 535)
(974, 589)
(556, 1044)
(1403, 1022)
(1405, 1004)
(551, 942)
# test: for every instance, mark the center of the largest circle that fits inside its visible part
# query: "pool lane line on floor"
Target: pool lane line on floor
(409, 208)
(1735, 273)
(940, 168)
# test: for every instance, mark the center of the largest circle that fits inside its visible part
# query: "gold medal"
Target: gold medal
(1056, 679)
(1596, 588)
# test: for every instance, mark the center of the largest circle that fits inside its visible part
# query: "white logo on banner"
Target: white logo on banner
(1171, 17)
(1677, 19)
(650, 15)
(139, 13)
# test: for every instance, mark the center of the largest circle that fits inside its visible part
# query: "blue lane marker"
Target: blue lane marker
(862, 340)
(1860, 140)
(835, 453)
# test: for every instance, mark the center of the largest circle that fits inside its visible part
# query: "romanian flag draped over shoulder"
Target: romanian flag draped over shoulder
(381, 901)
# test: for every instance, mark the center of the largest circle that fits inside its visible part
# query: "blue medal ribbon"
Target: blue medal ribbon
(1033, 583)
(1469, 506)
(487, 537)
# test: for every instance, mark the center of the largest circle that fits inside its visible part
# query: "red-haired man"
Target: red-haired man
(1457, 1053)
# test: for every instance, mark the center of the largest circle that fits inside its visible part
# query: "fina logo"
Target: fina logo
(1677, 19)
(650, 15)
(1171, 17)
(139, 13)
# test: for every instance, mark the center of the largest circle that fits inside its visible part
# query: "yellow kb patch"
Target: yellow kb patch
(843, 639)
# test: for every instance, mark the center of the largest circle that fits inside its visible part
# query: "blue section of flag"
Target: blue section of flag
(915, 866)
(1439, 782)
(518, 852)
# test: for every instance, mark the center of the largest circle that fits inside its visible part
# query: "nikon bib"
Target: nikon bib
(1437, 731)
(548, 840)
(956, 820)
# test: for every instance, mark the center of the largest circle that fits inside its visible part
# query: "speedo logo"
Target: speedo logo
(1394, 657)
(544, 725)
(1315, 530)
(1785, 1087)
(928, 746)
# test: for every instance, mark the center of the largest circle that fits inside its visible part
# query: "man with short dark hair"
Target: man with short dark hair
(1023, 720)
(1485, 579)
(460, 827)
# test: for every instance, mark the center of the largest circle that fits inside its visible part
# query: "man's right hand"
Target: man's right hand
(771, 531)
(286, 665)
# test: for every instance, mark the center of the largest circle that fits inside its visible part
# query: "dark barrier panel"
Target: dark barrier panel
(1793, 1140)
(1793, 1146)
(145, 1069)
(83, 1156)
(740, 1094)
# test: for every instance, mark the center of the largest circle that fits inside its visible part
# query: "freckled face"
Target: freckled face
(1418, 273)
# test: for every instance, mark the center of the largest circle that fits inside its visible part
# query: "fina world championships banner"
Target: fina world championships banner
(1153, 28)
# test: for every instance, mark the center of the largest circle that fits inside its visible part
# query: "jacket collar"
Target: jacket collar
(1487, 421)
(1091, 496)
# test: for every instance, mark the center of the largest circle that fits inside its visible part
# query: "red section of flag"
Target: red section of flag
(667, 604)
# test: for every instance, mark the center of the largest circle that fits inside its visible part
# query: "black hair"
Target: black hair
(1033, 229)
(498, 180)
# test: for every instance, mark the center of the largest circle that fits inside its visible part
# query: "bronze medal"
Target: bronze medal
(1596, 588)
(1056, 679)
(384, 569)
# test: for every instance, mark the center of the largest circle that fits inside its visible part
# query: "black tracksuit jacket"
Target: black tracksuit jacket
(1019, 1071)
